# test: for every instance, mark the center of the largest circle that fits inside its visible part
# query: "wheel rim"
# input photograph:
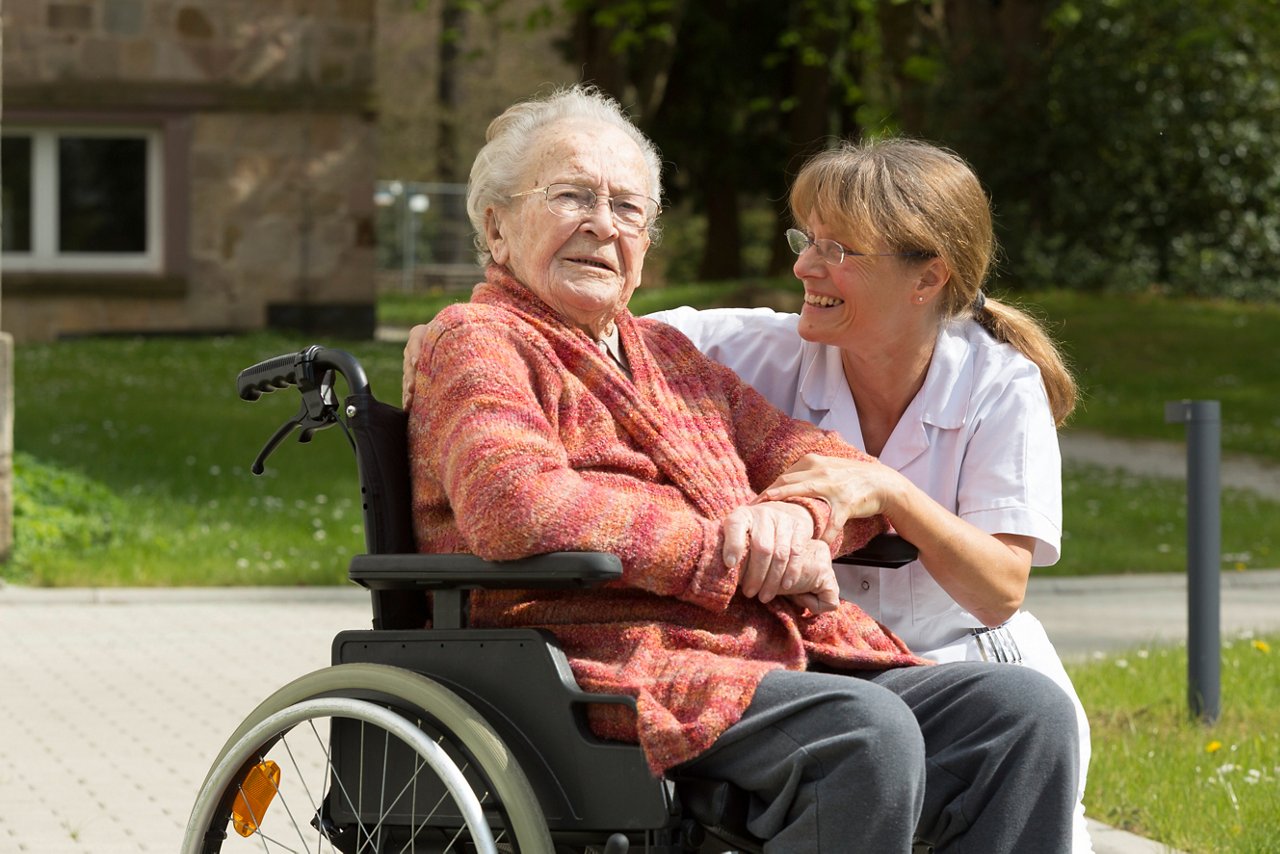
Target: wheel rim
(437, 708)
(276, 728)
(505, 795)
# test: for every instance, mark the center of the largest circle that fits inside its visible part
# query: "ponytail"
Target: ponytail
(1024, 333)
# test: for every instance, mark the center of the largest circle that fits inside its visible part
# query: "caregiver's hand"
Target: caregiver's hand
(412, 349)
(854, 489)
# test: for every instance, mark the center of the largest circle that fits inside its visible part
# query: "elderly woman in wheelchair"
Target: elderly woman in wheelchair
(547, 419)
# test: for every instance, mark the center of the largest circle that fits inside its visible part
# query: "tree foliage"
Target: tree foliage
(1164, 155)
(1124, 143)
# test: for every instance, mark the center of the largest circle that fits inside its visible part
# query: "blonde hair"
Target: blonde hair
(509, 139)
(913, 197)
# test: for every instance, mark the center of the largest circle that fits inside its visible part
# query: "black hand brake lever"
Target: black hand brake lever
(318, 411)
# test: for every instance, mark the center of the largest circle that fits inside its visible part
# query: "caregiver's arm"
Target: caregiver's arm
(985, 573)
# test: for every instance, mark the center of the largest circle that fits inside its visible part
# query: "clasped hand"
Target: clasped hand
(854, 489)
(773, 542)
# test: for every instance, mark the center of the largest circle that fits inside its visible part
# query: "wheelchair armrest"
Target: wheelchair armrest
(397, 582)
(884, 550)
(465, 571)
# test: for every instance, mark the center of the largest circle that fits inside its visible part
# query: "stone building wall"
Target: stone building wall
(264, 114)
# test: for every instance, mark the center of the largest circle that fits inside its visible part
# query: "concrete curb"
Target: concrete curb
(1248, 579)
(12, 594)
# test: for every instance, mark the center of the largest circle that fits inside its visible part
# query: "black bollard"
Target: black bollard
(1204, 552)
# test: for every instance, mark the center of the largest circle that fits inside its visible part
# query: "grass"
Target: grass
(133, 454)
(1134, 353)
(1131, 353)
(1158, 773)
(404, 310)
(132, 468)
(1117, 522)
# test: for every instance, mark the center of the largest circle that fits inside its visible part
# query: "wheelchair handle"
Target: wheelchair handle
(301, 369)
(311, 371)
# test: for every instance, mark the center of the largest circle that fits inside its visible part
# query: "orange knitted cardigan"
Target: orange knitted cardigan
(525, 438)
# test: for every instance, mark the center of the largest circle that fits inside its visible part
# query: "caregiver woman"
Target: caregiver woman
(958, 395)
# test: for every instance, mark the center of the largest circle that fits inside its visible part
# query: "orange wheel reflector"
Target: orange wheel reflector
(257, 790)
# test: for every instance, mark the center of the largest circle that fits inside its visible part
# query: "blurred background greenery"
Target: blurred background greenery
(1127, 145)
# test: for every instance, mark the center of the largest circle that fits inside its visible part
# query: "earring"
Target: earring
(919, 297)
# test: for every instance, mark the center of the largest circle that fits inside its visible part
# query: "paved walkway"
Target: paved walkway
(1168, 459)
(114, 702)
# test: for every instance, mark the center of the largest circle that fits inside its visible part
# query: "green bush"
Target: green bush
(56, 508)
(1162, 147)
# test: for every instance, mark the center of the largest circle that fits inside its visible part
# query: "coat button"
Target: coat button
(866, 585)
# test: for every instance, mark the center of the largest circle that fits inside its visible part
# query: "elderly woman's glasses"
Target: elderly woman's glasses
(834, 253)
(569, 200)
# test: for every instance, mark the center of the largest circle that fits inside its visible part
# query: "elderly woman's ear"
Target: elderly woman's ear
(493, 236)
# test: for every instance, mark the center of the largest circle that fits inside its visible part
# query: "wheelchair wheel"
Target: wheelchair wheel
(366, 758)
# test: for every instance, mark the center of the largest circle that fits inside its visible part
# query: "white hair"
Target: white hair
(501, 161)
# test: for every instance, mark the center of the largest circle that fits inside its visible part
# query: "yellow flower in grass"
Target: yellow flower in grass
(1213, 746)
(1262, 646)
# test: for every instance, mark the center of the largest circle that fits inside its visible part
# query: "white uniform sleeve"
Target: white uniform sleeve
(758, 344)
(1011, 477)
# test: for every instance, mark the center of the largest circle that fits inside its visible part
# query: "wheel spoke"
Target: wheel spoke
(475, 769)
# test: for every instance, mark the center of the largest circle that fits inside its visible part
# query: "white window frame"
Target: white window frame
(45, 255)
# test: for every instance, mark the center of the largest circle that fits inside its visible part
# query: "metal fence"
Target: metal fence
(424, 237)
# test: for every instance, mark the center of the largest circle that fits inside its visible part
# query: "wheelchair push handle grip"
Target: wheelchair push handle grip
(311, 371)
(267, 376)
(304, 368)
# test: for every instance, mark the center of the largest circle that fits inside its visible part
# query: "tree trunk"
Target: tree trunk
(593, 45)
(721, 258)
(453, 27)
(808, 129)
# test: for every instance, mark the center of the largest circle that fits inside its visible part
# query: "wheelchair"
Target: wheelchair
(447, 738)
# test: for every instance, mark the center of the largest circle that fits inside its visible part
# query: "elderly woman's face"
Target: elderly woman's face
(585, 267)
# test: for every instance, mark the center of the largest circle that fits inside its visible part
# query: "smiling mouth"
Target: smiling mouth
(821, 301)
(591, 262)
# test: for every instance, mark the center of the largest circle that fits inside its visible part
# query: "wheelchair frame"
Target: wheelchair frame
(484, 741)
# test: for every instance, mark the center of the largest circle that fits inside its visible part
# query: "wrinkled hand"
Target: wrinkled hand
(775, 539)
(825, 595)
(855, 489)
(412, 349)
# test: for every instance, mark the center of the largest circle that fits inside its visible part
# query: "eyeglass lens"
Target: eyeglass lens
(630, 209)
(828, 250)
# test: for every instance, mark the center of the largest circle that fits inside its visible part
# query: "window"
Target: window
(82, 199)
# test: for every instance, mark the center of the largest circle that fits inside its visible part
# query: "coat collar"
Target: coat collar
(942, 402)
(702, 463)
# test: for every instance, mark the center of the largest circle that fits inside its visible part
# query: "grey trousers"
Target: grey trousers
(969, 757)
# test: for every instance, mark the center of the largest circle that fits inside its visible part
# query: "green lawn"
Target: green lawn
(1131, 354)
(1134, 353)
(1116, 522)
(133, 463)
(1156, 772)
(404, 310)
